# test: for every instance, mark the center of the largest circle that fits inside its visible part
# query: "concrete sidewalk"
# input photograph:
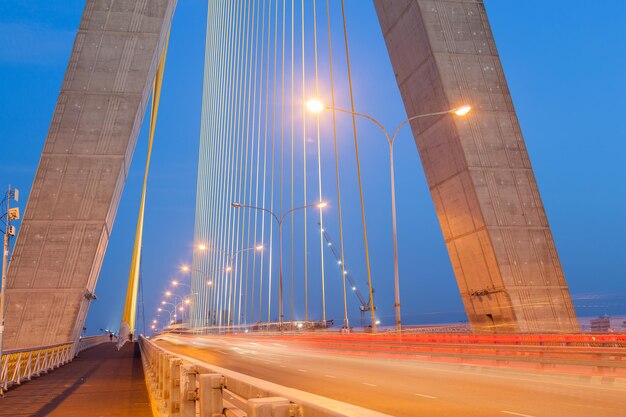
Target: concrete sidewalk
(100, 382)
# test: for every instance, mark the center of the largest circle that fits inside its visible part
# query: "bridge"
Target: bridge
(293, 301)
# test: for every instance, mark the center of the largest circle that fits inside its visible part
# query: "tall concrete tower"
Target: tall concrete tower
(82, 171)
(481, 181)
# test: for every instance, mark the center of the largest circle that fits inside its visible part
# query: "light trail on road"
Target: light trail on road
(404, 387)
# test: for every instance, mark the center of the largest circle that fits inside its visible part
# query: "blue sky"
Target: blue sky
(564, 62)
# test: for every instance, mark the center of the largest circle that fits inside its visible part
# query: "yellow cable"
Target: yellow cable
(130, 307)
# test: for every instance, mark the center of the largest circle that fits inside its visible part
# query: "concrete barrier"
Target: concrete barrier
(188, 385)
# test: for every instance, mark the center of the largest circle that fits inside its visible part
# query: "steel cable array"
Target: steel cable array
(254, 122)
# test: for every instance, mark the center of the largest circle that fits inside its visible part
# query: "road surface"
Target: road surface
(404, 387)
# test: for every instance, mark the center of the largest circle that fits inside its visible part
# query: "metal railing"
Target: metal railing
(181, 386)
(91, 341)
(24, 364)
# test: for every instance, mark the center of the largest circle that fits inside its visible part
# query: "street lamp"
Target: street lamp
(168, 311)
(8, 232)
(231, 269)
(279, 220)
(176, 283)
(174, 296)
(316, 106)
(187, 268)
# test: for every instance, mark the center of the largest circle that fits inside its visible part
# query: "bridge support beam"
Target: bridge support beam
(82, 171)
(480, 177)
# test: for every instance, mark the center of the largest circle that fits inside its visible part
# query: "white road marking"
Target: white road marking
(330, 376)
(424, 395)
(303, 370)
(516, 414)
(222, 352)
(368, 384)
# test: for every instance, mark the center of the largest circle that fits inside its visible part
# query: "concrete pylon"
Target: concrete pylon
(83, 168)
(480, 177)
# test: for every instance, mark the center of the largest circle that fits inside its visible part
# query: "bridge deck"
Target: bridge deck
(100, 382)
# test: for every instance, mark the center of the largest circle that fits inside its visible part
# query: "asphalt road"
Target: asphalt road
(404, 387)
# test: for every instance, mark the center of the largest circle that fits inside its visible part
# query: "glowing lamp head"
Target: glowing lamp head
(229, 268)
(180, 308)
(314, 105)
(209, 283)
(259, 247)
(163, 302)
(187, 301)
(168, 293)
(159, 309)
(154, 321)
(321, 204)
(202, 247)
(174, 283)
(463, 110)
(184, 268)
(153, 327)
(377, 322)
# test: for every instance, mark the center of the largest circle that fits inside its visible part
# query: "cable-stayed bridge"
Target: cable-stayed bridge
(280, 170)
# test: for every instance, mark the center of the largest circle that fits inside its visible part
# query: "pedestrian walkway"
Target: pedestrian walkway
(100, 382)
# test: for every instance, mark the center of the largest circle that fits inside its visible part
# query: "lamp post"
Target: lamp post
(231, 268)
(160, 309)
(208, 281)
(9, 231)
(174, 296)
(176, 283)
(187, 268)
(317, 106)
(173, 311)
(279, 220)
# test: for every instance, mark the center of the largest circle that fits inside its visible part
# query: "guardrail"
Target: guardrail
(180, 386)
(613, 340)
(22, 365)
(91, 341)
